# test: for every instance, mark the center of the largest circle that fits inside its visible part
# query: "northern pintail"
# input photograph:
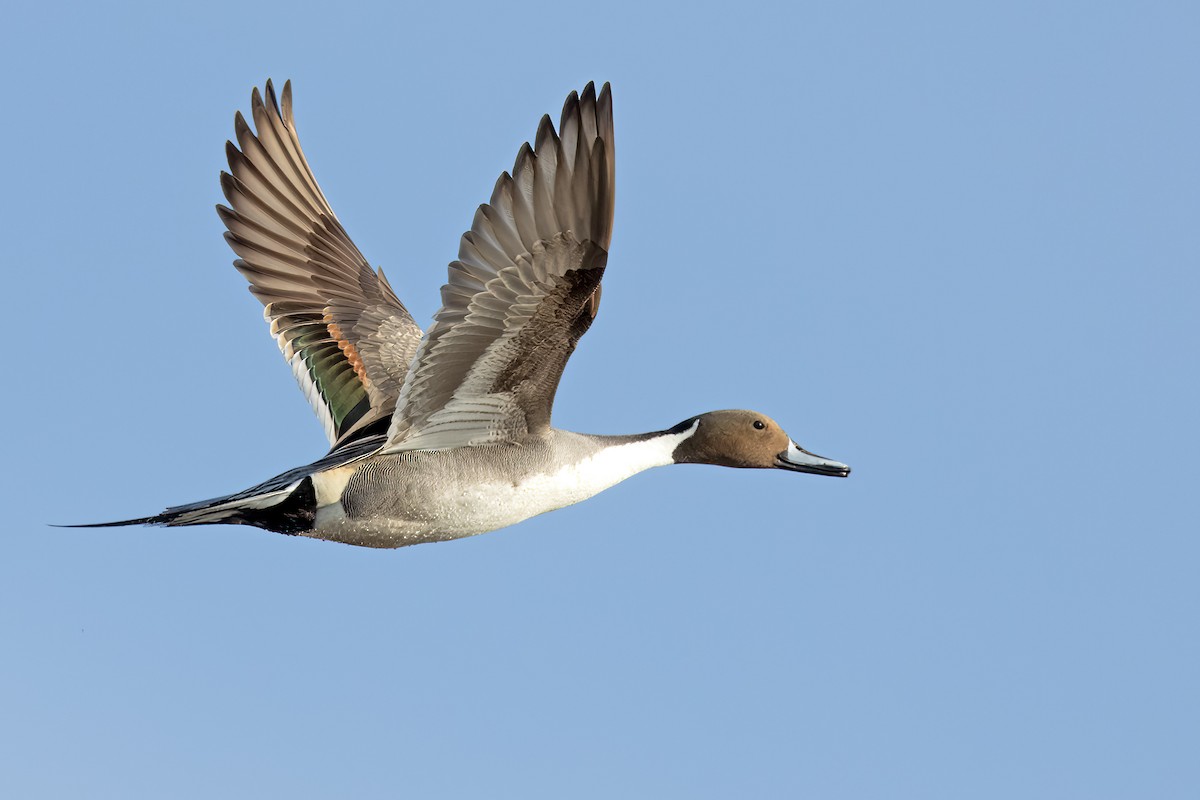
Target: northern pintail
(446, 433)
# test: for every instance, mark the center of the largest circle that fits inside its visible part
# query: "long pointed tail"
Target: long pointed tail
(286, 503)
(290, 509)
(156, 520)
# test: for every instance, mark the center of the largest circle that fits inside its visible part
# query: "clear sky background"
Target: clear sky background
(953, 245)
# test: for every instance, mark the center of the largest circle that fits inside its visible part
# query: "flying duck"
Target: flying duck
(446, 433)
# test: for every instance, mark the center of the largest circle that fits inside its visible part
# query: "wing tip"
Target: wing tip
(287, 102)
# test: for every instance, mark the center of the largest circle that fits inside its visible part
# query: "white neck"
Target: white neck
(612, 464)
(580, 479)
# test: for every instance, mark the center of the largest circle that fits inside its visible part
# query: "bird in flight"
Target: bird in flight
(446, 433)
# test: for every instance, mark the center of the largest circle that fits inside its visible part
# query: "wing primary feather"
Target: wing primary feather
(587, 113)
(564, 194)
(568, 126)
(276, 149)
(524, 178)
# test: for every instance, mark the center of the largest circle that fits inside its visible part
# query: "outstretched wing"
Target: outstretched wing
(348, 338)
(525, 288)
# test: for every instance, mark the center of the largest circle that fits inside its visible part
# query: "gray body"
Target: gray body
(391, 500)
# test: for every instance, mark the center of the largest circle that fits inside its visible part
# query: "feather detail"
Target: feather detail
(347, 337)
(523, 291)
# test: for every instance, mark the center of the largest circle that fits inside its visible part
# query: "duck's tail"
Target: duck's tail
(289, 509)
(286, 503)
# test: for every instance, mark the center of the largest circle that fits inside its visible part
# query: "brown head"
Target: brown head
(747, 439)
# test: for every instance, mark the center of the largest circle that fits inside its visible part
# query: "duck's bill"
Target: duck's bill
(797, 459)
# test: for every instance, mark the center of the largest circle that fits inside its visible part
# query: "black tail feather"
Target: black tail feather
(286, 503)
(156, 520)
(290, 513)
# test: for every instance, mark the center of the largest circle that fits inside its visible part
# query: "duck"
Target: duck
(446, 433)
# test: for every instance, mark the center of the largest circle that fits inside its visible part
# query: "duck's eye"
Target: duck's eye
(759, 424)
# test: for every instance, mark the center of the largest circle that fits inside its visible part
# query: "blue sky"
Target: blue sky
(953, 245)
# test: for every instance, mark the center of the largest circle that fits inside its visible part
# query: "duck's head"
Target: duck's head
(747, 439)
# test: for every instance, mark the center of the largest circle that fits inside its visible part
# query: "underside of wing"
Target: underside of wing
(524, 289)
(348, 338)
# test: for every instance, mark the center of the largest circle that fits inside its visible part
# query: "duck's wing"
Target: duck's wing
(525, 288)
(347, 336)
